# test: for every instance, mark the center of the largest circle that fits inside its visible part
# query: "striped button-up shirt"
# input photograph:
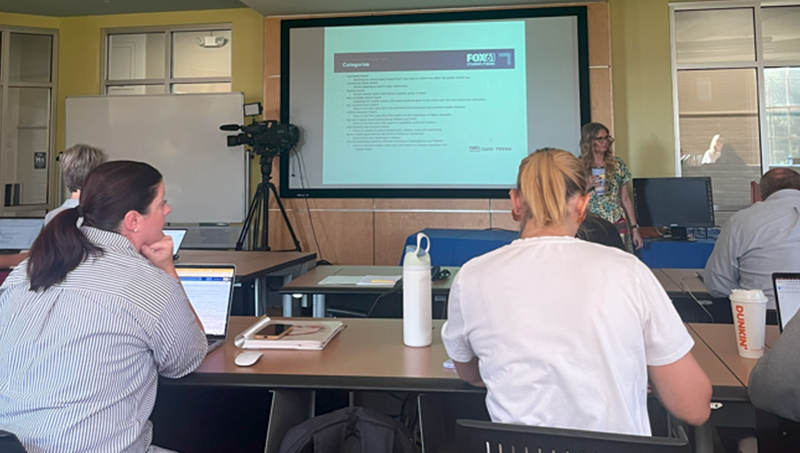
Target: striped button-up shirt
(79, 362)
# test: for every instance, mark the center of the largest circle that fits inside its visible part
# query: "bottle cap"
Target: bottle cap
(419, 256)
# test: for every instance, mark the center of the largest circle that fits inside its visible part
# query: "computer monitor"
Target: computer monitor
(674, 202)
(18, 233)
(787, 296)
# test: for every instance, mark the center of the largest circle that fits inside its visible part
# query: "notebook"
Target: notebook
(305, 335)
(18, 233)
(787, 296)
(210, 291)
(177, 235)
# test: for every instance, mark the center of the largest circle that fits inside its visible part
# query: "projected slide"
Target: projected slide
(405, 103)
(429, 105)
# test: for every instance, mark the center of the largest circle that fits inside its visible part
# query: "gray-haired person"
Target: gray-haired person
(75, 164)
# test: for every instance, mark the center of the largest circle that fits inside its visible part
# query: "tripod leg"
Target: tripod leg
(261, 230)
(265, 218)
(285, 217)
(248, 221)
(256, 242)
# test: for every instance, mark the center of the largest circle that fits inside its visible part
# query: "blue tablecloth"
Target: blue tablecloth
(665, 253)
(451, 247)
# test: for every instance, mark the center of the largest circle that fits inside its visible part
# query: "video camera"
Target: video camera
(264, 136)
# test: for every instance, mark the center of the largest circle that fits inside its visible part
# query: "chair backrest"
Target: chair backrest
(484, 437)
(9, 443)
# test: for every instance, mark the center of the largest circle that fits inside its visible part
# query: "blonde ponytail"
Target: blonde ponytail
(547, 180)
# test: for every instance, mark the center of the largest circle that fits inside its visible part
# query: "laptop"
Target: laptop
(177, 235)
(210, 291)
(787, 296)
(18, 233)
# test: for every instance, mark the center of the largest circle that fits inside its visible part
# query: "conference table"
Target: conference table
(683, 281)
(369, 355)
(731, 404)
(253, 267)
(308, 284)
(676, 282)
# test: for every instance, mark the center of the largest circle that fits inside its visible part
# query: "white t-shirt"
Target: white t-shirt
(564, 331)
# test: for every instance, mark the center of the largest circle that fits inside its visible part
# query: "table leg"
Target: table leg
(318, 309)
(258, 297)
(704, 438)
(289, 409)
(288, 303)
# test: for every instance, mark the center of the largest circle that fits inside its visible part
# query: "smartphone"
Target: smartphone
(273, 332)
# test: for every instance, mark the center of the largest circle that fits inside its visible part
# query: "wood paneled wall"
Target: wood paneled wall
(373, 231)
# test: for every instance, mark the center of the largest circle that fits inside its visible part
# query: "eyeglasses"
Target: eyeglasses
(609, 139)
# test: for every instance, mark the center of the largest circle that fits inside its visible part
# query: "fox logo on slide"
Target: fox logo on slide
(480, 59)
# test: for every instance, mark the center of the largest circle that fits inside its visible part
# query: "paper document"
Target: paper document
(379, 280)
(340, 280)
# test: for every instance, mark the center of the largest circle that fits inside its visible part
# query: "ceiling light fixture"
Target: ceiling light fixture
(211, 42)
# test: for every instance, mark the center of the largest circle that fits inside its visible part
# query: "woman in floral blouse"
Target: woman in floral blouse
(611, 199)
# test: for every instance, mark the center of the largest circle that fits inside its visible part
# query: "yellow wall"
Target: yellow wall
(80, 43)
(640, 50)
(81, 38)
(27, 20)
(642, 84)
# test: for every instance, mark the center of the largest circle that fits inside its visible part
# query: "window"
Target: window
(168, 60)
(783, 114)
(27, 106)
(736, 82)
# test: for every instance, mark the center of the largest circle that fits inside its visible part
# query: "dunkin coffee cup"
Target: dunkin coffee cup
(749, 321)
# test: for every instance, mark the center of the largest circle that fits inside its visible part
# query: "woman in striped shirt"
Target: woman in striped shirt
(93, 317)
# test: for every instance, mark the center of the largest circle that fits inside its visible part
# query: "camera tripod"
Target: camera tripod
(258, 213)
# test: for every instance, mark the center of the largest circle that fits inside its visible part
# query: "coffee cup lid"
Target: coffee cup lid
(748, 295)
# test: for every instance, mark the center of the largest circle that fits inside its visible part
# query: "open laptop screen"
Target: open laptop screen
(18, 233)
(177, 236)
(787, 296)
(209, 289)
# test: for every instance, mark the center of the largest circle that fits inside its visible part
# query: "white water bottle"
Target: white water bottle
(417, 308)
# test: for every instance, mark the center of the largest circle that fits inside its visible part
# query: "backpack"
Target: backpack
(349, 430)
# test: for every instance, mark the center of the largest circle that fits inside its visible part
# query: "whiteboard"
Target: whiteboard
(179, 135)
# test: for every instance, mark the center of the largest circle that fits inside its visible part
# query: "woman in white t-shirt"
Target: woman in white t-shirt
(563, 332)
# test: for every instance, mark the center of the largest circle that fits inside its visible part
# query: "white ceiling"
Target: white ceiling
(66, 8)
(292, 7)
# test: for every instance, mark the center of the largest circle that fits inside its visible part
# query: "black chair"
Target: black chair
(484, 437)
(776, 434)
(388, 304)
(9, 443)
